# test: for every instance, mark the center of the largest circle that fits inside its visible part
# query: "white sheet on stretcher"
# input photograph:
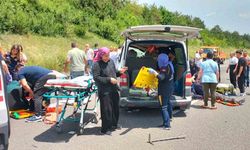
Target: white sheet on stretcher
(81, 82)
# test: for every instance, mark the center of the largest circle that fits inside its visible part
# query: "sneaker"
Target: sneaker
(242, 94)
(34, 119)
(106, 133)
(166, 128)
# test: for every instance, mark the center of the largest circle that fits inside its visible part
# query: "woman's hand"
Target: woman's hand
(31, 95)
(113, 80)
(123, 69)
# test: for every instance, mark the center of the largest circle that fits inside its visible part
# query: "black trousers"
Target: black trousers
(241, 83)
(109, 103)
(39, 90)
(232, 76)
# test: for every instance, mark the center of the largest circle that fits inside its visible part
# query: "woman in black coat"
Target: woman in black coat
(105, 76)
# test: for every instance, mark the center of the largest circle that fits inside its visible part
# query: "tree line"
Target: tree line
(106, 18)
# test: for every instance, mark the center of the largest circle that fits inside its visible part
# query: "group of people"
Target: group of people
(238, 68)
(81, 61)
(102, 65)
(96, 62)
(207, 72)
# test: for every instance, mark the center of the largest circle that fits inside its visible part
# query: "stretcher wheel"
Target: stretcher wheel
(95, 119)
(81, 130)
(58, 129)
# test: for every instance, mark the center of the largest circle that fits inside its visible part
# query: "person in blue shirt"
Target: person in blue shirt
(209, 75)
(32, 79)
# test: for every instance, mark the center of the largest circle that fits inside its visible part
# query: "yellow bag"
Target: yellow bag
(145, 80)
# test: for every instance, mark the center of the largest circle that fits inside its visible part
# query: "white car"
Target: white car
(4, 114)
(141, 48)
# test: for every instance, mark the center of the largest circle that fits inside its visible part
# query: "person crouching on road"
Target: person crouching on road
(209, 75)
(32, 79)
(105, 76)
(165, 87)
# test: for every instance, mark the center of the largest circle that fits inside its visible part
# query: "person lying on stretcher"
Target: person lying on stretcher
(32, 79)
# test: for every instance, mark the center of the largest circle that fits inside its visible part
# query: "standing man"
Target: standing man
(32, 79)
(233, 61)
(90, 56)
(245, 55)
(77, 60)
(198, 57)
(240, 72)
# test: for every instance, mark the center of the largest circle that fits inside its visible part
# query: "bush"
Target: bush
(79, 30)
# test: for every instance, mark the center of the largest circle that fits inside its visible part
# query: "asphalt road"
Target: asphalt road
(224, 129)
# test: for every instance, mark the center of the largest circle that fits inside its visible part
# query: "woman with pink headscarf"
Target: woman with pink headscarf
(105, 76)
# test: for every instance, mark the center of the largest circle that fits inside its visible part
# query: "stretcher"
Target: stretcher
(82, 90)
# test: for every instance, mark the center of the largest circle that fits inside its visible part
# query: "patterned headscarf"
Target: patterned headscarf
(101, 52)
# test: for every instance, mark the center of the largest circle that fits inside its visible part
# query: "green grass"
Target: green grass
(49, 52)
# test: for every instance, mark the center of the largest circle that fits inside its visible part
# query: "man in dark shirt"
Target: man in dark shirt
(32, 79)
(240, 72)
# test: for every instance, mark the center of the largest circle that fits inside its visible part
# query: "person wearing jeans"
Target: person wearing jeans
(165, 86)
(33, 79)
(209, 75)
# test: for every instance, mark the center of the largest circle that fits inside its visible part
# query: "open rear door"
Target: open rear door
(161, 32)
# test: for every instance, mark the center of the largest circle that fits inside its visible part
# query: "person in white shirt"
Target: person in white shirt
(114, 55)
(198, 57)
(90, 56)
(233, 61)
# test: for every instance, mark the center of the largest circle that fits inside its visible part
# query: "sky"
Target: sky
(230, 15)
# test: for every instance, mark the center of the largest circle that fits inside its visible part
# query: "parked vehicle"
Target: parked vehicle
(141, 48)
(222, 55)
(4, 113)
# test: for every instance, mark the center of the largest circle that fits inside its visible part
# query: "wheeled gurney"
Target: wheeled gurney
(81, 90)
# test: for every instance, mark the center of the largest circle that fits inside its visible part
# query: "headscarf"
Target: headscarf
(101, 52)
(163, 61)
